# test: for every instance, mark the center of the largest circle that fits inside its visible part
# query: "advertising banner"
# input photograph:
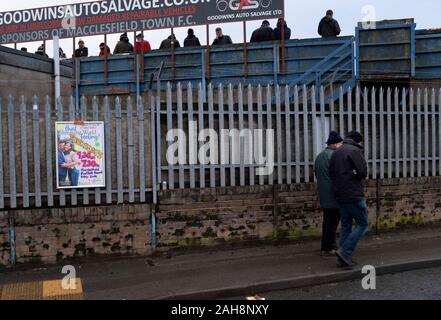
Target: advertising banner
(80, 154)
(119, 16)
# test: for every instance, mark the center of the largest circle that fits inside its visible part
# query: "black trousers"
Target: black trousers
(331, 219)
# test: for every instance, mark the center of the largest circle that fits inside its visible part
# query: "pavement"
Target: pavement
(237, 271)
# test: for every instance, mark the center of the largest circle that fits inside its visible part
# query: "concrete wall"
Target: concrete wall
(28, 74)
(194, 218)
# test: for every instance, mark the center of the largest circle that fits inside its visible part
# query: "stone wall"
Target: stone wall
(208, 217)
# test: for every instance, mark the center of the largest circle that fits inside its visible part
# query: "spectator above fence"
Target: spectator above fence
(169, 42)
(191, 40)
(328, 26)
(82, 50)
(141, 44)
(123, 46)
(221, 39)
(278, 30)
(264, 33)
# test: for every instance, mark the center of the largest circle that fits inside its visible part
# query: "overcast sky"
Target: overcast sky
(302, 17)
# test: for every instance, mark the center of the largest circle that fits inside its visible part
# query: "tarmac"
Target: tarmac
(232, 271)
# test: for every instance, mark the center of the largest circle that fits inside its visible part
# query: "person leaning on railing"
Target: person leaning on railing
(141, 44)
(221, 39)
(167, 43)
(123, 46)
(82, 50)
(264, 33)
(328, 26)
(104, 50)
(191, 40)
(278, 30)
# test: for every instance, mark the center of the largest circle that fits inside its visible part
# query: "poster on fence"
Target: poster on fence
(80, 154)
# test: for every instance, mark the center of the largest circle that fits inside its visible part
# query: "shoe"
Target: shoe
(348, 261)
(330, 253)
(341, 263)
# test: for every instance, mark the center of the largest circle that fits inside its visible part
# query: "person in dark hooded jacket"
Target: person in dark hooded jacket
(123, 46)
(167, 43)
(347, 170)
(278, 30)
(264, 33)
(221, 39)
(191, 40)
(328, 26)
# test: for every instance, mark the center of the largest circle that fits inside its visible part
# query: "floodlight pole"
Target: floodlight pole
(56, 44)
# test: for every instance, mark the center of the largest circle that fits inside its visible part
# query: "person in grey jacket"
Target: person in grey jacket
(331, 213)
(347, 170)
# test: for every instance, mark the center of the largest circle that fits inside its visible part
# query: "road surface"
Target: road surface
(422, 284)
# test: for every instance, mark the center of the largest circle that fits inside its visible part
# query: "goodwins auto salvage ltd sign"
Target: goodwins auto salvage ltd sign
(117, 16)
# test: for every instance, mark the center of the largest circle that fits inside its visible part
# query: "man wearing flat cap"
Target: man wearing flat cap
(331, 214)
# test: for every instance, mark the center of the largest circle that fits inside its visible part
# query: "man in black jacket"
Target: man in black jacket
(221, 39)
(278, 30)
(82, 50)
(191, 40)
(169, 42)
(328, 26)
(264, 33)
(347, 170)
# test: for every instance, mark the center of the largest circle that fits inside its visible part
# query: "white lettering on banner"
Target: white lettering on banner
(106, 17)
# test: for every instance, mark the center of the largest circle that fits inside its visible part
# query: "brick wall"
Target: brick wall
(208, 217)
(213, 216)
(49, 235)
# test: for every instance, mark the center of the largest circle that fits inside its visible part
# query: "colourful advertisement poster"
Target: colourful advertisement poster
(80, 154)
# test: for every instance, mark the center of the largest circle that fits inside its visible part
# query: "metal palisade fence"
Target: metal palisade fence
(215, 137)
(401, 129)
(28, 155)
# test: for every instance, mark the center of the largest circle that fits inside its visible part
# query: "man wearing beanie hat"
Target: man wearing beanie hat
(123, 46)
(331, 214)
(348, 169)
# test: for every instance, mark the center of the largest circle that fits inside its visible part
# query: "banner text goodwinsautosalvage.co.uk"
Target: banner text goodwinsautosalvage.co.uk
(117, 16)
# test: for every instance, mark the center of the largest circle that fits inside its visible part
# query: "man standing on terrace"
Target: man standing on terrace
(328, 26)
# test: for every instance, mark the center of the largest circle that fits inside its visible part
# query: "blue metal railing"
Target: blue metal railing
(337, 68)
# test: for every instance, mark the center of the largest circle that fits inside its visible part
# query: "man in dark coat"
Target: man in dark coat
(278, 30)
(82, 50)
(221, 39)
(331, 213)
(348, 169)
(167, 43)
(191, 40)
(123, 46)
(328, 26)
(264, 33)
(40, 51)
